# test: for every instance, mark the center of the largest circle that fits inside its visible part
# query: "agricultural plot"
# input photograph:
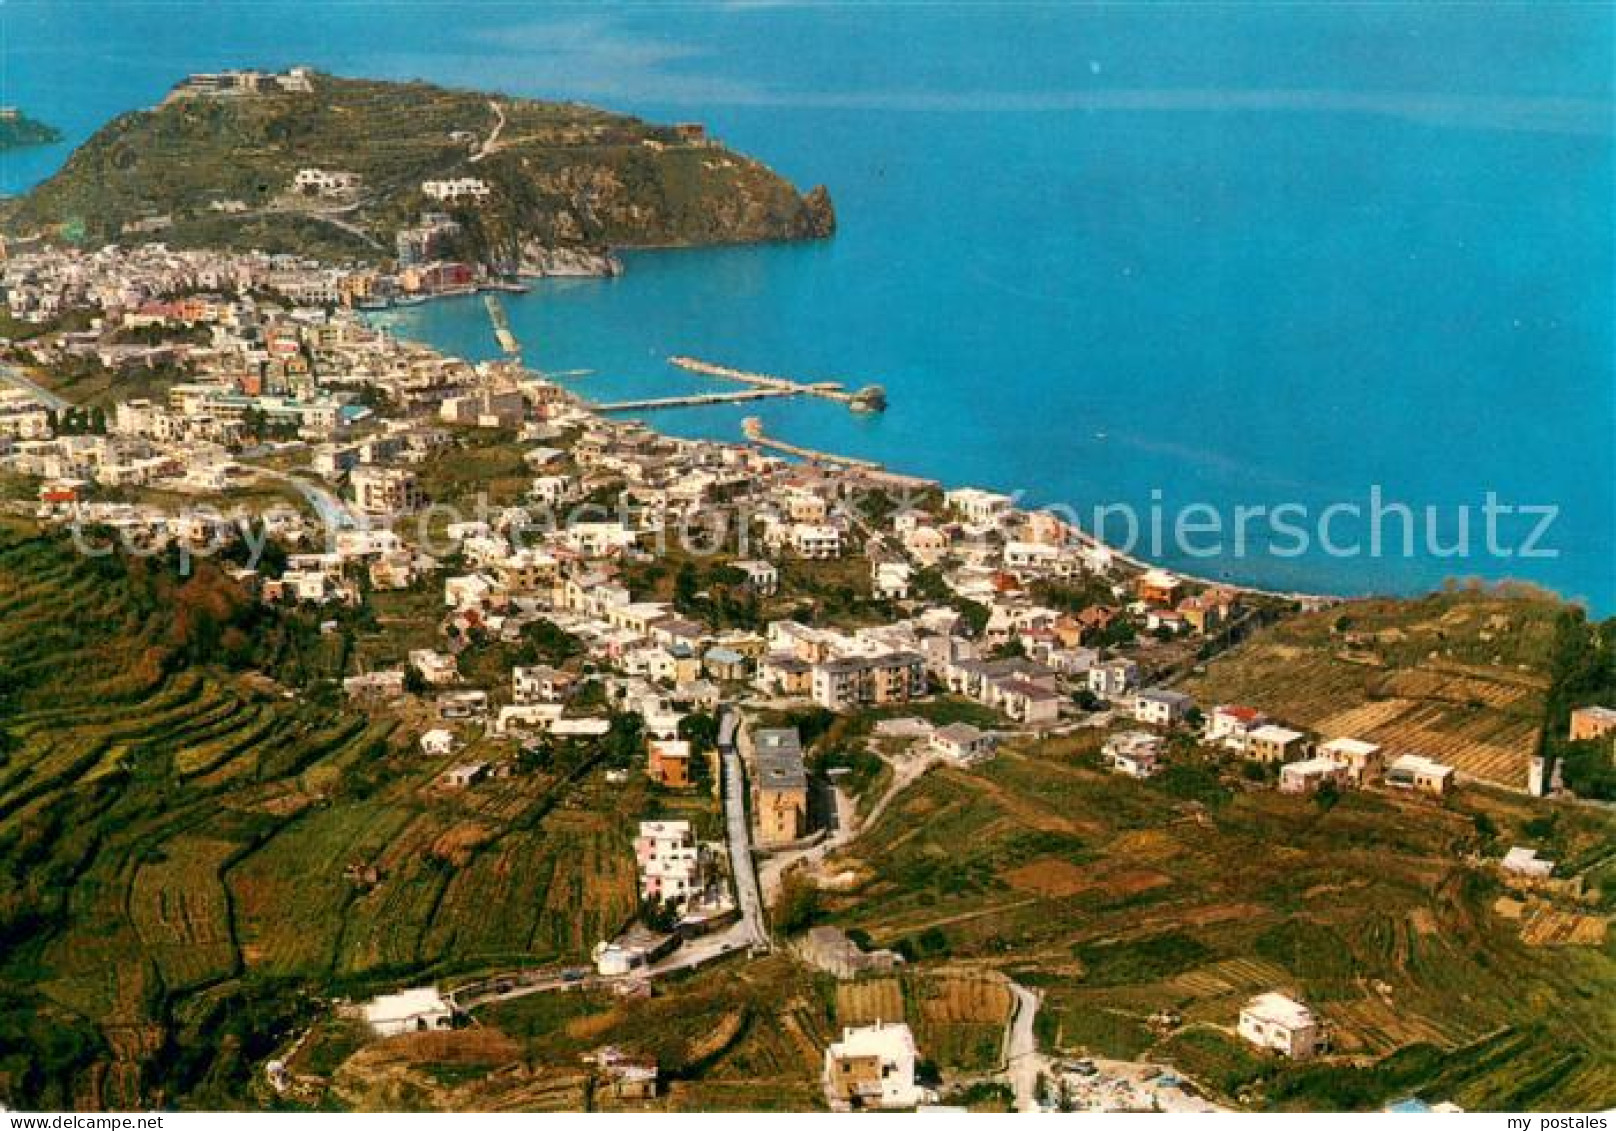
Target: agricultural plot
(1457, 677)
(184, 849)
(1148, 920)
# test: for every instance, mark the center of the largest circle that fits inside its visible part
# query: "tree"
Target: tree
(700, 729)
(797, 905)
(659, 914)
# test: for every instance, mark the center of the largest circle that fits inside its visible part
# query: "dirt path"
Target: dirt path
(490, 144)
(1023, 1062)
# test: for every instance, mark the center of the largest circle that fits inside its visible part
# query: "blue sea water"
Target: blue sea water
(1233, 255)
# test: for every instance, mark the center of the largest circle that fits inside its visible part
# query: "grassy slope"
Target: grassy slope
(1461, 677)
(1122, 900)
(564, 173)
(173, 839)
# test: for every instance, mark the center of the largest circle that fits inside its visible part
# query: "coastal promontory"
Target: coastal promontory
(302, 161)
(18, 130)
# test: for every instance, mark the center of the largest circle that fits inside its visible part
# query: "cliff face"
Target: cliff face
(222, 169)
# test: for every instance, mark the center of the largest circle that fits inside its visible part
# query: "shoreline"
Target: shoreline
(881, 469)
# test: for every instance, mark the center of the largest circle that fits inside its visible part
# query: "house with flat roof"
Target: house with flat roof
(1274, 1021)
(1592, 722)
(1275, 744)
(1160, 707)
(872, 1066)
(779, 786)
(1417, 772)
(1360, 759)
(408, 1011)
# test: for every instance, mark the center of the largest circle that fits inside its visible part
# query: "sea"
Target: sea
(1346, 263)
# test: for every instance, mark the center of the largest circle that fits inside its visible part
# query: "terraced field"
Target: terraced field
(176, 838)
(1459, 677)
(1125, 903)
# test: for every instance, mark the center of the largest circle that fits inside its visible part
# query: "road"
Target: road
(492, 140)
(1023, 1062)
(11, 375)
(747, 896)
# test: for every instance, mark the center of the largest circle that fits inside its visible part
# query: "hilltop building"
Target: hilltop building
(872, 1066)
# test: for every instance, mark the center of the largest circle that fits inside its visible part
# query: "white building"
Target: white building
(1161, 708)
(408, 1011)
(1135, 753)
(1274, 1021)
(385, 490)
(669, 860)
(811, 540)
(889, 581)
(456, 189)
(325, 182)
(1230, 723)
(1113, 678)
(1358, 758)
(1310, 775)
(873, 1066)
(437, 742)
(962, 743)
(1417, 772)
(978, 507)
(763, 577)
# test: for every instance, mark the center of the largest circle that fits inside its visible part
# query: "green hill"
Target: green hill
(18, 130)
(179, 834)
(218, 170)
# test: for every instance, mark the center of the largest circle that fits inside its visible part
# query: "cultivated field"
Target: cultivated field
(1149, 912)
(1459, 677)
(184, 847)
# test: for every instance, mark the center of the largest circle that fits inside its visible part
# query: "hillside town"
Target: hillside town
(698, 613)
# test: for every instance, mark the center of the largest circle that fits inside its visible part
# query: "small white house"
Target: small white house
(1113, 678)
(437, 742)
(962, 743)
(1135, 753)
(1162, 708)
(1417, 772)
(1274, 1021)
(1359, 759)
(873, 1066)
(1310, 775)
(408, 1011)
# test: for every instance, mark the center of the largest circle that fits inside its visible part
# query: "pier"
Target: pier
(868, 468)
(502, 327)
(871, 398)
(651, 403)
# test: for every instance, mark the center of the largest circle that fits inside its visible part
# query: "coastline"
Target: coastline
(883, 470)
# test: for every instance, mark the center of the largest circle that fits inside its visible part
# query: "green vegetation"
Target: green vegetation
(1149, 912)
(1584, 674)
(562, 175)
(179, 838)
(18, 130)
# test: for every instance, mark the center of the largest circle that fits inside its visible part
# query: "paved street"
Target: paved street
(749, 899)
(13, 376)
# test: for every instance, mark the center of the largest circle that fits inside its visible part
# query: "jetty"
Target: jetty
(652, 403)
(870, 398)
(502, 326)
(868, 468)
